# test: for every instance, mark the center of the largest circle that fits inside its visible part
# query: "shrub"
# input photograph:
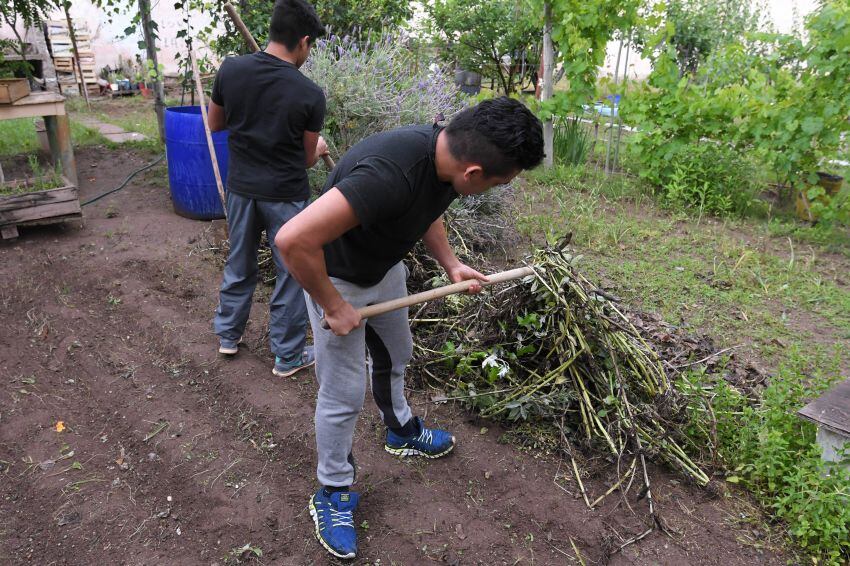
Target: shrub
(773, 452)
(374, 87)
(710, 178)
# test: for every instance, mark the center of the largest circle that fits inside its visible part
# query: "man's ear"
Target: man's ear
(473, 172)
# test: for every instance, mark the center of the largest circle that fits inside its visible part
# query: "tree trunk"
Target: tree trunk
(548, 65)
(150, 47)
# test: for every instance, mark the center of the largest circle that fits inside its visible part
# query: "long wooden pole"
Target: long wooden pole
(439, 292)
(85, 87)
(240, 25)
(252, 43)
(210, 143)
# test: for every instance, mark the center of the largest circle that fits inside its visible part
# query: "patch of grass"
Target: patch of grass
(832, 238)
(19, 136)
(767, 448)
(41, 180)
(133, 114)
(700, 273)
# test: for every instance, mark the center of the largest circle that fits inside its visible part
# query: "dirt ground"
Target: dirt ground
(173, 455)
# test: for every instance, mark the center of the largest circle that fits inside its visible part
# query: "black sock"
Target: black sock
(409, 428)
(329, 489)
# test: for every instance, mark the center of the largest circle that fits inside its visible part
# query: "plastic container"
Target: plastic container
(190, 174)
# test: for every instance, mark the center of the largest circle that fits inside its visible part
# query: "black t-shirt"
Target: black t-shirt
(268, 104)
(390, 180)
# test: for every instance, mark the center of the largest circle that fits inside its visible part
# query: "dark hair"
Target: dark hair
(500, 134)
(292, 20)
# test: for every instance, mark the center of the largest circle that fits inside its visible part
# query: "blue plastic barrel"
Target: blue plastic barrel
(190, 173)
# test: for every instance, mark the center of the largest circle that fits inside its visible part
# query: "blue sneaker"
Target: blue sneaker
(286, 369)
(428, 442)
(334, 520)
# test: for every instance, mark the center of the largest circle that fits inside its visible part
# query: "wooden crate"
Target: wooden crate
(13, 89)
(40, 207)
(64, 64)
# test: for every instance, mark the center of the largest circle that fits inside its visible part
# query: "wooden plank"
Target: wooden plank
(39, 98)
(52, 220)
(832, 409)
(62, 194)
(9, 111)
(34, 105)
(23, 215)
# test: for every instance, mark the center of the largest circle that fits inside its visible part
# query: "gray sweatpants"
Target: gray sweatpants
(246, 220)
(341, 371)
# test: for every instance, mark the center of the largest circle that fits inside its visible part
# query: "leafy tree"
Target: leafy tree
(788, 105)
(363, 17)
(29, 13)
(581, 30)
(142, 19)
(367, 16)
(490, 37)
(697, 28)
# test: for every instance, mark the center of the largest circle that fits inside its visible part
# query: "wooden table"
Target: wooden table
(51, 107)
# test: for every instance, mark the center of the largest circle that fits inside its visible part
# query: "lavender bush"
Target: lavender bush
(375, 87)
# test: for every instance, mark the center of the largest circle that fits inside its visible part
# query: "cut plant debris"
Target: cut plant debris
(557, 348)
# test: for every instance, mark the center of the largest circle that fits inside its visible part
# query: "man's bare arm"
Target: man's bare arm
(215, 117)
(437, 242)
(300, 242)
(314, 147)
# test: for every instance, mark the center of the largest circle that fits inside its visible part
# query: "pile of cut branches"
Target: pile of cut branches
(558, 349)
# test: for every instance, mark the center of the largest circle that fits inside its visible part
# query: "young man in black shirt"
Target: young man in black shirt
(273, 114)
(388, 192)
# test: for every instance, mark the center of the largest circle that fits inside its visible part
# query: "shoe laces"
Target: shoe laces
(342, 519)
(426, 436)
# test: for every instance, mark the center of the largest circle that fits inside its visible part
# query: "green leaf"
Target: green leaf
(812, 125)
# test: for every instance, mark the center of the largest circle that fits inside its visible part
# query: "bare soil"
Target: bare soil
(173, 455)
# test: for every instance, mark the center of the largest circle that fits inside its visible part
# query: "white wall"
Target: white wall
(109, 42)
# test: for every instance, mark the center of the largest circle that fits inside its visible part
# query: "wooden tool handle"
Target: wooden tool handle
(439, 292)
(240, 25)
(329, 162)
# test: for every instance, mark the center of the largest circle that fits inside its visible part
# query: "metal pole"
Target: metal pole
(548, 65)
(620, 120)
(611, 122)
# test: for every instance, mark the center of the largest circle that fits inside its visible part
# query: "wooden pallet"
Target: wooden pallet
(41, 207)
(63, 50)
